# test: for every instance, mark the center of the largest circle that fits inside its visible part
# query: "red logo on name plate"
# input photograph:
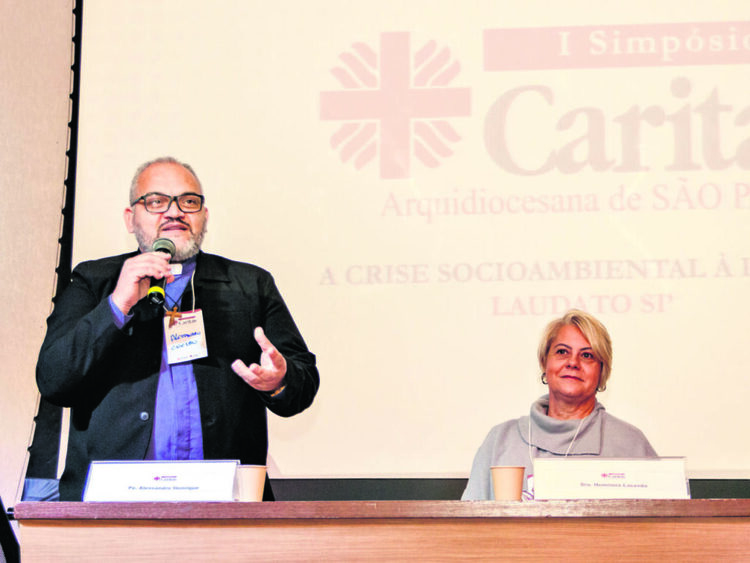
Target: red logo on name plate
(394, 105)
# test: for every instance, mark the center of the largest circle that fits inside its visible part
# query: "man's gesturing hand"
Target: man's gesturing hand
(267, 376)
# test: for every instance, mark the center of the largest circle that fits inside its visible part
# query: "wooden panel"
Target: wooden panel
(384, 509)
(443, 539)
(366, 531)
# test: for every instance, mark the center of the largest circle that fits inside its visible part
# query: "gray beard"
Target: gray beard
(181, 254)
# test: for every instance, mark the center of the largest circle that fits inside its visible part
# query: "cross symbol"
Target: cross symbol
(395, 104)
(173, 315)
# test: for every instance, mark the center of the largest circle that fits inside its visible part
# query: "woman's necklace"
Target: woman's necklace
(570, 446)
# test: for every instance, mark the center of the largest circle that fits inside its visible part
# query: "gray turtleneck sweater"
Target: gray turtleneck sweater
(600, 434)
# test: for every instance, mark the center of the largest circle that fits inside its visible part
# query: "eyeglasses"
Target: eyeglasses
(159, 203)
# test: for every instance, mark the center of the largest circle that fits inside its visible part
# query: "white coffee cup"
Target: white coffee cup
(507, 482)
(249, 482)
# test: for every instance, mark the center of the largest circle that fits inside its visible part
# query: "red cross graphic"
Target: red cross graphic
(395, 104)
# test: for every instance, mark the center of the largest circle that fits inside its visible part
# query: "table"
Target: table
(584, 530)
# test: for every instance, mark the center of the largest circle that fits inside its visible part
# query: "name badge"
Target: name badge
(186, 336)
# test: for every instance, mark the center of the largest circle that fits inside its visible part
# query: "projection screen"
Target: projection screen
(431, 182)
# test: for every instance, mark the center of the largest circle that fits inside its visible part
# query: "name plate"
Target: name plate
(156, 481)
(610, 478)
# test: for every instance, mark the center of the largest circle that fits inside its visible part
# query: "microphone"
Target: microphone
(155, 292)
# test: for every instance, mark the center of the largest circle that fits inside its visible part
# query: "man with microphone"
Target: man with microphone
(107, 351)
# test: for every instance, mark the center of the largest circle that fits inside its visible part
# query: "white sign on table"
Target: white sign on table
(155, 481)
(610, 478)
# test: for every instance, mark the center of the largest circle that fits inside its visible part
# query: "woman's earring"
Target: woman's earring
(544, 378)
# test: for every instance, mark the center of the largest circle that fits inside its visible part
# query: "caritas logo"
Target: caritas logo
(613, 476)
(395, 103)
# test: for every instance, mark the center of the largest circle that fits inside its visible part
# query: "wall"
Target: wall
(35, 59)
